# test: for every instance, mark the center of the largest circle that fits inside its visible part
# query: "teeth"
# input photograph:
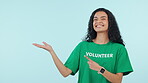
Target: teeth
(99, 26)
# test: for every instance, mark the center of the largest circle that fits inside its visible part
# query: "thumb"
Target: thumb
(45, 43)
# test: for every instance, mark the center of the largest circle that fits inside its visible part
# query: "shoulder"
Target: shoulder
(82, 43)
(118, 46)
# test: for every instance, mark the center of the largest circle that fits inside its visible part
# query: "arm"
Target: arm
(114, 78)
(62, 69)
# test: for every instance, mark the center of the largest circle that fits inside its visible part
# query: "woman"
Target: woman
(101, 57)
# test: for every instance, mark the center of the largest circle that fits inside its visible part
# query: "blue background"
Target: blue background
(63, 24)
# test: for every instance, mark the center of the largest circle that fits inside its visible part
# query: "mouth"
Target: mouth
(99, 26)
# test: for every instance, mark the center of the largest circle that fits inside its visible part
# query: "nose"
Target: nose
(99, 20)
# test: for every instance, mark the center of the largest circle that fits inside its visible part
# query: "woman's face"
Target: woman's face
(100, 22)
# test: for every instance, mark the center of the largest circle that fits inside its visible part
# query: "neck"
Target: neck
(101, 38)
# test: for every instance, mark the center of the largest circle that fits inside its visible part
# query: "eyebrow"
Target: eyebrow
(101, 17)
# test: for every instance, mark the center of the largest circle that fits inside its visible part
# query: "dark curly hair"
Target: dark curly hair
(113, 30)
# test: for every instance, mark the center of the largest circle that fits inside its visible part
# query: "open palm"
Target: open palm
(45, 46)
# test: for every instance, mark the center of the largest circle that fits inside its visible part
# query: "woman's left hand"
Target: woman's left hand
(93, 65)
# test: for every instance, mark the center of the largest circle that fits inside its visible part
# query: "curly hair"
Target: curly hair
(113, 30)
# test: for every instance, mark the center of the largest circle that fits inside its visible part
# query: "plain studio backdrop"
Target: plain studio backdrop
(63, 24)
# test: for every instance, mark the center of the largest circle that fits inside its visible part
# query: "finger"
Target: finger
(34, 44)
(89, 62)
(38, 45)
(87, 58)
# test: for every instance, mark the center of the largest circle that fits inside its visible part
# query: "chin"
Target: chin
(101, 31)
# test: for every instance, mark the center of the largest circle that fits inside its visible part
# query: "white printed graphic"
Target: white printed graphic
(99, 55)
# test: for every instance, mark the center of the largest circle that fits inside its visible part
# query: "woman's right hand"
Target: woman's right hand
(45, 46)
(62, 69)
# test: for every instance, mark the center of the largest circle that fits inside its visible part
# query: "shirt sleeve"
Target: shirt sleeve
(123, 64)
(73, 61)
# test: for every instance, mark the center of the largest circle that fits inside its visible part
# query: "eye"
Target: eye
(103, 19)
(95, 19)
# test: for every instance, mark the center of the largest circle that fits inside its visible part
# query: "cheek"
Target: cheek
(93, 23)
(106, 23)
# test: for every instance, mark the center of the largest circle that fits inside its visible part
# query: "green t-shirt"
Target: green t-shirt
(112, 56)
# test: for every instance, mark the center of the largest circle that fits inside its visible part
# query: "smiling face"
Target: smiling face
(100, 22)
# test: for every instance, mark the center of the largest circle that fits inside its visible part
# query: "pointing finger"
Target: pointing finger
(87, 58)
